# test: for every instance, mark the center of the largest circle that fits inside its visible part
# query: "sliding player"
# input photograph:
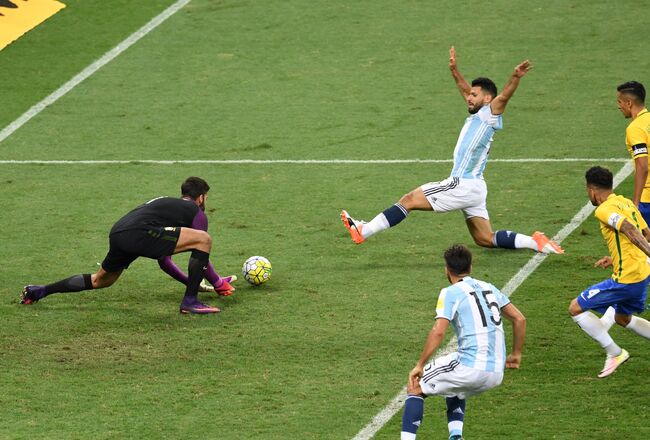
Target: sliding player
(464, 189)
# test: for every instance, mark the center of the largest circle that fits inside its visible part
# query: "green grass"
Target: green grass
(324, 346)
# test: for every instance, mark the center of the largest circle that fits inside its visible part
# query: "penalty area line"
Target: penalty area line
(92, 68)
(397, 402)
(290, 161)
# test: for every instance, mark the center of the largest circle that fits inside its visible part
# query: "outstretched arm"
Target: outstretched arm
(498, 104)
(518, 320)
(463, 86)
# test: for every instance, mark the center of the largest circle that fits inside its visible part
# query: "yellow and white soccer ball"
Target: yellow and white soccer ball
(256, 270)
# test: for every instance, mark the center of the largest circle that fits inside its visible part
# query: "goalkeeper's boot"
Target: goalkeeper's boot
(31, 294)
(198, 308)
(545, 245)
(353, 226)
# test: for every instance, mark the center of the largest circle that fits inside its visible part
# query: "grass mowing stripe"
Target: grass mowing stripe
(92, 68)
(288, 161)
(397, 402)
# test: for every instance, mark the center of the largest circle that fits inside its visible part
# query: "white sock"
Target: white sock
(525, 242)
(639, 326)
(608, 317)
(377, 224)
(591, 325)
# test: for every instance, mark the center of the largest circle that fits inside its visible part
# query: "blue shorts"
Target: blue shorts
(625, 298)
(644, 209)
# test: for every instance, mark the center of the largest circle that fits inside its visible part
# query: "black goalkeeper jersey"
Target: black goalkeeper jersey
(160, 212)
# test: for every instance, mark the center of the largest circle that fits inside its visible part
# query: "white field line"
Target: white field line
(290, 161)
(397, 402)
(92, 68)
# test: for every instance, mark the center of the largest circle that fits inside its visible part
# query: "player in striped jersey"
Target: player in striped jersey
(475, 310)
(465, 188)
(626, 234)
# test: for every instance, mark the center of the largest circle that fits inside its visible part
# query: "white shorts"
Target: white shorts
(447, 377)
(467, 195)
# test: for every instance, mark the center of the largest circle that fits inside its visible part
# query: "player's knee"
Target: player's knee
(574, 308)
(484, 240)
(101, 281)
(414, 390)
(204, 241)
(622, 320)
(407, 200)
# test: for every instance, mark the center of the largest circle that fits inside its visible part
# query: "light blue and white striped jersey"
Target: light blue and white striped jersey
(474, 309)
(473, 145)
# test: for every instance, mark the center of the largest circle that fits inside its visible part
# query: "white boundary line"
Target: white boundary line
(397, 402)
(287, 161)
(94, 67)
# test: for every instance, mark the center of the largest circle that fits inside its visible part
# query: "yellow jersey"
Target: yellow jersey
(637, 139)
(629, 263)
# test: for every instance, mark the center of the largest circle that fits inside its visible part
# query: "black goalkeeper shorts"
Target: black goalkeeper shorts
(127, 246)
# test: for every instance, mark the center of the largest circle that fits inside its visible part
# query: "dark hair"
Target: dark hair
(599, 177)
(458, 259)
(486, 84)
(633, 88)
(194, 187)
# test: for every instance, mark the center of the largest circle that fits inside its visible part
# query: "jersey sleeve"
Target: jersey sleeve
(637, 139)
(494, 121)
(200, 221)
(608, 215)
(502, 300)
(446, 306)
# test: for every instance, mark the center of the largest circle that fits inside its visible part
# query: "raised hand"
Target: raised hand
(452, 58)
(522, 68)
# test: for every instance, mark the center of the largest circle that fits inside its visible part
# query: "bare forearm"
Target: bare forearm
(461, 83)
(518, 336)
(510, 87)
(635, 237)
(640, 178)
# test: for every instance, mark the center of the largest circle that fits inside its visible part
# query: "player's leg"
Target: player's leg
(391, 216)
(413, 411)
(75, 283)
(481, 231)
(439, 377)
(637, 296)
(598, 297)
(108, 273)
(455, 416)
(443, 196)
(218, 284)
(199, 243)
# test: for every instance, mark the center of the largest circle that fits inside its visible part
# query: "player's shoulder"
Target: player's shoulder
(486, 115)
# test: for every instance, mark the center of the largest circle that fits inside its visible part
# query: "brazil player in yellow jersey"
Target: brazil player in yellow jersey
(631, 102)
(626, 234)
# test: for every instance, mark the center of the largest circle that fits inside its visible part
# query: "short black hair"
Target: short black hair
(194, 187)
(486, 84)
(633, 88)
(458, 259)
(599, 177)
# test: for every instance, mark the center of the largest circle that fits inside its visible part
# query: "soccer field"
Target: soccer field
(292, 111)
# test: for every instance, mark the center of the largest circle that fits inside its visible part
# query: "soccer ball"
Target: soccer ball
(256, 270)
